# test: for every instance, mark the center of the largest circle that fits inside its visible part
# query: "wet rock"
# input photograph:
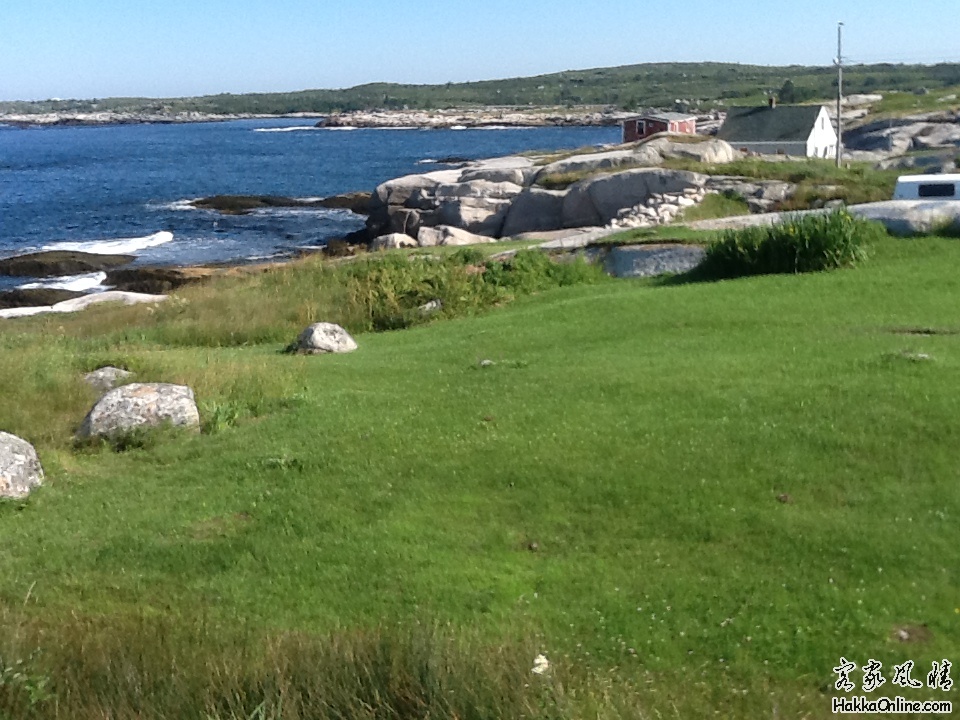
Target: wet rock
(140, 405)
(356, 202)
(156, 280)
(34, 297)
(20, 470)
(56, 263)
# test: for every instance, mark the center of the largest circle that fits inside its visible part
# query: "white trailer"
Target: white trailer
(927, 187)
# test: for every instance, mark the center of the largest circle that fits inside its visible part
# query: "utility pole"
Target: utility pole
(839, 63)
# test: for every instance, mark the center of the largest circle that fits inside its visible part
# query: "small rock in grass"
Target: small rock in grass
(431, 307)
(105, 379)
(785, 498)
(486, 363)
(324, 337)
(20, 470)
(140, 405)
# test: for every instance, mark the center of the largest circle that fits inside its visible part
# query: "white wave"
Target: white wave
(120, 246)
(506, 127)
(458, 127)
(345, 127)
(77, 283)
(179, 205)
(295, 128)
(427, 161)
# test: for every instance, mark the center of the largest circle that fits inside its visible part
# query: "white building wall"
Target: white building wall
(822, 142)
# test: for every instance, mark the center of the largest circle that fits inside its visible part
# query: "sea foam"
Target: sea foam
(77, 283)
(295, 128)
(120, 246)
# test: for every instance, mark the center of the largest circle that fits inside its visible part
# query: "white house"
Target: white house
(799, 130)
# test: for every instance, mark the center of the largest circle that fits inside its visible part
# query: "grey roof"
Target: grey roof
(784, 123)
(666, 116)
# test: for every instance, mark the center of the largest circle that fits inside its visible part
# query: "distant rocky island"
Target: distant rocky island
(492, 117)
(488, 117)
(81, 119)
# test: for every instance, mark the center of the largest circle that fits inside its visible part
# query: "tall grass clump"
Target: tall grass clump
(142, 668)
(798, 244)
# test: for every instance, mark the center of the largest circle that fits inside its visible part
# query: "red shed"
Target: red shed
(643, 126)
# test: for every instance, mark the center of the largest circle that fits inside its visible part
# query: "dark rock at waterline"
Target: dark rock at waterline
(54, 263)
(242, 204)
(357, 202)
(155, 280)
(35, 297)
(160, 279)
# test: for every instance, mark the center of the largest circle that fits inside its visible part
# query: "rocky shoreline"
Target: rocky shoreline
(492, 117)
(481, 118)
(94, 119)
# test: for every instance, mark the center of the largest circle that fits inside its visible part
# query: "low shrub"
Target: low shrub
(799, 244)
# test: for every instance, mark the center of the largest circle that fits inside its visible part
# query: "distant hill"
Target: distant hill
(628, 87)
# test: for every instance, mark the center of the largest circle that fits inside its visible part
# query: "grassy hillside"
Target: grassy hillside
(692, 498)
(628, 86)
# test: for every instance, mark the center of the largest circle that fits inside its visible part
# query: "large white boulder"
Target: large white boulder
(535, 209)
(20, 470)
(447, 235)
(140, 405)
(392, 241)
(713, 151)
(912, 217)
(479, 215)
(323, 337)
(595, 162)
(398, 190)
(479, 189)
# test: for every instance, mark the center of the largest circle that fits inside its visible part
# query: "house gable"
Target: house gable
(764, 124)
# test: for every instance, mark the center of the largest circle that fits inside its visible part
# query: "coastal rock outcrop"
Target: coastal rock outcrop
(510, 196)
(646, 154)
(598, 201)
(140, 405)
(633, 261)
(20, 470)
(535, 209)
(35, 297)
(760, 195)
(358, 202)
(897, 136)
(56, 263)
(911, 217)
(323, 337)
(446, 235)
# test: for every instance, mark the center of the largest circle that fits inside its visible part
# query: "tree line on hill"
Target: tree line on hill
(628, 87)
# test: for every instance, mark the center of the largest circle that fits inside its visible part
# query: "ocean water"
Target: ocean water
(125, 188)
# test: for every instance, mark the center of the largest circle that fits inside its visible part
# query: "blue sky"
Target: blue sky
(163, 48)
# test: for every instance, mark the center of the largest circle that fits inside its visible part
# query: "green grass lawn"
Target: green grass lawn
(693, 498)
